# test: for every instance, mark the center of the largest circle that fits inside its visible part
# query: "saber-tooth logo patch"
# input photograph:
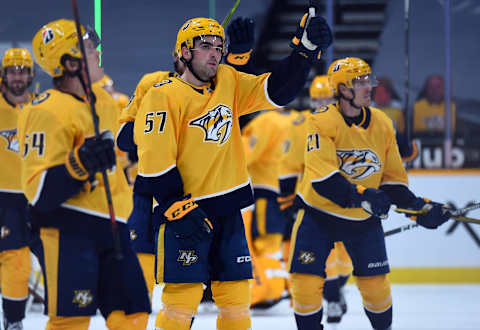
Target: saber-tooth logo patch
(306, 257)
(82, 297)
(12, 139)
(187, 257)
(358, 164)
(216, 124)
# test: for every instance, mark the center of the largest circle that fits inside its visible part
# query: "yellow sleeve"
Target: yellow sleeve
(252, 93)
(129, 112)
(394, 172)
(321, 159)
(291, 162)
(157, 128)
(44, 143)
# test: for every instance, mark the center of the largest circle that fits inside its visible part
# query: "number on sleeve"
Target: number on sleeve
(150, 121)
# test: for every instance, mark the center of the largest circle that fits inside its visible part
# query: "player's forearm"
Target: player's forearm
(58, 186)
(288, 78)
(125, 137)
(164, 188)
(337, 189)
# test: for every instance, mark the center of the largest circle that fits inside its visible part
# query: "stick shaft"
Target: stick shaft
(230, 14)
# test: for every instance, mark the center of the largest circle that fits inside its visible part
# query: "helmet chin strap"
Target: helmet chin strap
(351, 101)
(190, 67)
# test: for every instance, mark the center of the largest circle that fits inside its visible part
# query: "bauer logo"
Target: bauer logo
(47, 35)
(82, 297)
(306, 257)
(378, 264)
(242, 259)
(358, 164)
(187, 257)
(216, 124)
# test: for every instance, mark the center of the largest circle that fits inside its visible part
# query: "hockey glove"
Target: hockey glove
(312, 38)
(436, 213)
(241, 35)
(187, 220)
(94, 155)
(140, 224)
(373, 201)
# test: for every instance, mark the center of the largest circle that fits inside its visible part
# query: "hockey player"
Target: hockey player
(191, 161)
(263, 137)
(338, 264)
(353, 173)
(61, 180)
(107, 83)
(17, 74)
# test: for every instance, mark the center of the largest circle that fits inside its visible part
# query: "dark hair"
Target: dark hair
(58, 80)
(423, 91)
(387, 83)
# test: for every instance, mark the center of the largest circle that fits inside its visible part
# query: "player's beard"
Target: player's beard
(205, 72)
(17, 88)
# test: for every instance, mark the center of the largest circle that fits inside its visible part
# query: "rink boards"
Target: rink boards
(450, 254)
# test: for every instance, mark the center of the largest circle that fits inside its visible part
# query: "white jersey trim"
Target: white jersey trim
(15, 299)
(39, 188)
(11, 191)
(394, 183)
(331, 213)
(289, 175)
(325, 177)
(250, 207)
(265, 87)
(158, 173)
(309, 313)
(224, 192)
(91, 212)
(266, 187)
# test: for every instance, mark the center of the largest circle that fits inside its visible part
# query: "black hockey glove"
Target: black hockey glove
(436, 213)
(187, 220)
(313, 37)
(94, 155)
(374, 201)
(289, 211)
(241, 35)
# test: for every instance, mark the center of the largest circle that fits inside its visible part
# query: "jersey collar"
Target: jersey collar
(204, 90)
(362, 120)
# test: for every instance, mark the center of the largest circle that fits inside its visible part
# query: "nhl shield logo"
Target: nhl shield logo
(216, 124)
(358, 164)
(47, 35)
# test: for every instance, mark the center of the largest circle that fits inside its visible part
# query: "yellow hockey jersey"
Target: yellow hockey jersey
(49, 129)
(129, 112)
(10, 184)
(365, 154)
(291, 161)
(429, 117)
(196, 130)
(263, 138)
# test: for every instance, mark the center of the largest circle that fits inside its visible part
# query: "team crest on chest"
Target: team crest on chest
(359, 164)
(216, 124)
(11, 136)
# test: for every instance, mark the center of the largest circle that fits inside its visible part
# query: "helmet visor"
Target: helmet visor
(368, 80)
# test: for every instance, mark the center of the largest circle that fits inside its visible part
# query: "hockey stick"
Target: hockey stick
(406, 111)
(91, 98)
(456, 215)
(230, 14)
(400, 229)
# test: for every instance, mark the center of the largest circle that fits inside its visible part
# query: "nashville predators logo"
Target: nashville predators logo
(306, 257)
(12, 139)
(4, 232)
(358, 164)
(187, 257)
(82, 297)
(216, 124)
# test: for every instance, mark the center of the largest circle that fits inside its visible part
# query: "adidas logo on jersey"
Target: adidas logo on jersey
(216, 124)
(12, 139)
(306, 257)
(359, 164)
(187, 257)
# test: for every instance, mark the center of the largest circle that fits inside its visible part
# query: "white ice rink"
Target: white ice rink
(451, 307)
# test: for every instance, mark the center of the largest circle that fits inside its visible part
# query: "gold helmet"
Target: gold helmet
(18, 57)
(347, 70)
(52, 42)
(320, 88)
(197, 28)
